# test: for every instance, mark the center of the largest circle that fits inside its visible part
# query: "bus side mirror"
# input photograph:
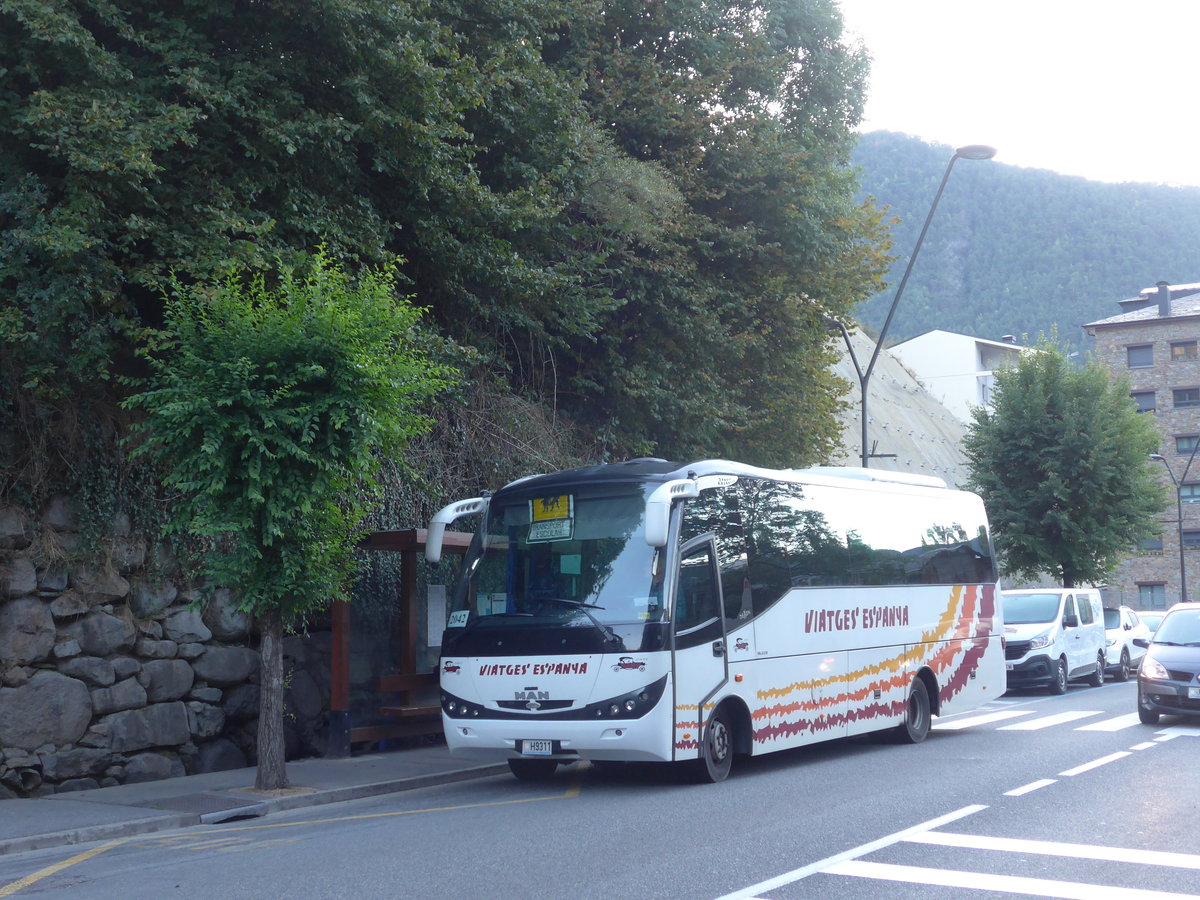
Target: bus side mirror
(442, 518)
(658, 506)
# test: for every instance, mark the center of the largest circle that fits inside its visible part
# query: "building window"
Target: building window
(1185, 444)
(1141, 356)
(1151, 546)
(1191, 539)
(1152, 596)
(1182, 350)
(1189, 493)
(1186, 398)
(1144, 400)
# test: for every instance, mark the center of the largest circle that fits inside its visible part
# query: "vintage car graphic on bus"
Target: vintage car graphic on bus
(449, 666)
(628, 662)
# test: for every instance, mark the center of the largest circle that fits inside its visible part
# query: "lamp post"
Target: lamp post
(1179, 512)
(972, 151)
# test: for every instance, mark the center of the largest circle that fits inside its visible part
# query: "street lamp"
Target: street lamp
(1179, 511)
(971, 151)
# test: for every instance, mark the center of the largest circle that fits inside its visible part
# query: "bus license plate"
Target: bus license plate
(536, 748)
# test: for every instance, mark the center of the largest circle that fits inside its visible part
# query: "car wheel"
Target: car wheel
(1058, 678)
(1146, 716)
(915, 727)
(532, 769)
(1097, 677)
(1123, 670)
(716, 749)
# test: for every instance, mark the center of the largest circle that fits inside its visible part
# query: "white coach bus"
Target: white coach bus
(651, 611)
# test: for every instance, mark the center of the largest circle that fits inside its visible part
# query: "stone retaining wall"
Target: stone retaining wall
(113, 675)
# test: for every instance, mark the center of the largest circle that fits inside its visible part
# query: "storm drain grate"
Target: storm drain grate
(211, 807)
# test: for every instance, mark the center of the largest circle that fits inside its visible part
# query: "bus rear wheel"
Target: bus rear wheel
(532, 769)
(915, 727)
(716, 749)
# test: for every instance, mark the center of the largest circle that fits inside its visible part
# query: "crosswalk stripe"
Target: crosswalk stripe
(1013, 884)
(1115, 724)
(1056, 848)
(985, 719)
(1048, 721)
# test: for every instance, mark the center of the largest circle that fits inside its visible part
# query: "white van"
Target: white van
(1052, 636)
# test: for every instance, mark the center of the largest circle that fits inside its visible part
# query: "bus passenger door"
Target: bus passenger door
(701, 659)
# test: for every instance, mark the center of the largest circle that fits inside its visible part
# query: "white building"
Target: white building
(956, 369)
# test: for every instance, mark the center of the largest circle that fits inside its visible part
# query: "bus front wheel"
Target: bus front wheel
(915, 727)
(716, 749)
(532, 769)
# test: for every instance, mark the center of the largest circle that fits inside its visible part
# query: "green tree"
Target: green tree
(1061, 461)
(268, 409)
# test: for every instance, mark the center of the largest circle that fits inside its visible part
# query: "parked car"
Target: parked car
(1052, 636)
(1152, 618)
(1121, 626)
(1169, 677)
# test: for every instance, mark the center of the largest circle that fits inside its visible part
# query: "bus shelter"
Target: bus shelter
(383, 678)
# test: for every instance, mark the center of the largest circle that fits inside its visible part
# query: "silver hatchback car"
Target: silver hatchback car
(1169, 677)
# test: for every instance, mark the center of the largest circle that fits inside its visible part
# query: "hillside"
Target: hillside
(1019, 251)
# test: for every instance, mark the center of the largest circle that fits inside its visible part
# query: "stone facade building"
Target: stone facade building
(1154, 340)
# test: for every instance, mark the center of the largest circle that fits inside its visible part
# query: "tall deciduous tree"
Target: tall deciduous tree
(1061, 461)
(268, 408)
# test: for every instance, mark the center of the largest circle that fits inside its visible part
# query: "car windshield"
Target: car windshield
(1112, 618)
(1029, 609)
(1180, 627)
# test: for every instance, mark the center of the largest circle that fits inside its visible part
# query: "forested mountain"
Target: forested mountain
(1019, 251)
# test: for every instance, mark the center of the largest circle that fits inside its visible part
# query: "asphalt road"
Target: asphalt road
(1031, 796)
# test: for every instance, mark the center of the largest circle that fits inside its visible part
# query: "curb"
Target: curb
(252, 808)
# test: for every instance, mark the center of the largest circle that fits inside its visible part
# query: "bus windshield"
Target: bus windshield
(577, 558)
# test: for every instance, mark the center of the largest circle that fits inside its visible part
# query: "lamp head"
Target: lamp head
(975, 151)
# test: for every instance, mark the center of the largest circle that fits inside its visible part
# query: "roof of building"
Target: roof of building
(924, 435)
(1007, 345)
(1184, 303)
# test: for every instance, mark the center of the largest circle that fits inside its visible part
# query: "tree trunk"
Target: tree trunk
(272, 768)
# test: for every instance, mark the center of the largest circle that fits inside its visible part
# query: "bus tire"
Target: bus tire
(532, 769)
(716, 749)
(915, 727)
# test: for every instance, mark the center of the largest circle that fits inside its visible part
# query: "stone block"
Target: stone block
(186, 626)
(69, 604)
(26, 631)
(220, 755)
(225, 666)
(241, 702)
(149, 597)
(166, 679)
(90, 669)
(127, 694)
(18, 576)
(151, 649)
(14, 530)
(152, 767)
(101, 586)
(50, 708)
(205, 720)
(124, 666)
(67, 649)
(77, 763)
(224, 619)
(57, 514)
(101, 634)
(159, 725)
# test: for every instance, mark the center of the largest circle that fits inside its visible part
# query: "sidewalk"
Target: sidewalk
(132, 809)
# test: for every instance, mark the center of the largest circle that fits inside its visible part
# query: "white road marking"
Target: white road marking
(1058, 848)
(985, 719)
(1009, 884)
(821, 865)
(1029, 788)
(1096, 763)
(1120, 722)
(1049, 721)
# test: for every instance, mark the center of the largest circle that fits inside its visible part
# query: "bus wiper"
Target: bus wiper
(609, 634)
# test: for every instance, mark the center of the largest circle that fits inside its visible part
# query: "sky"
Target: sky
(1104, 89)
